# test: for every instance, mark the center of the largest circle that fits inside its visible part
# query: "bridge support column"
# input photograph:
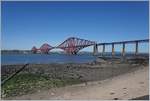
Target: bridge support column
(123, 50)
(74, 53)
(103, 52)
(113, 50)
(136, 48)
(34, 52)
(95, 49)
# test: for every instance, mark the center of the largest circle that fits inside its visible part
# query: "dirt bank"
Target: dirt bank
(98, 70)
(126, 86)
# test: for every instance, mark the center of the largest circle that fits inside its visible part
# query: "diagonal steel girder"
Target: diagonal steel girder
(72, 45)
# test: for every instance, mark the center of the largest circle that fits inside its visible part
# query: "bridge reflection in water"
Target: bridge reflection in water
(73, 45)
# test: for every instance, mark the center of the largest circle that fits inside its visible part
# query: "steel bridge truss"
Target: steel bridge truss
(71, 46)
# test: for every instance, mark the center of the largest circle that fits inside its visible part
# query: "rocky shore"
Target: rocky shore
(100, 69)
(97, 70)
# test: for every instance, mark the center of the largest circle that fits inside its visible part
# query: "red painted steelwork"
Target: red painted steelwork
(72, 45)
(34, 49)
(45, 48)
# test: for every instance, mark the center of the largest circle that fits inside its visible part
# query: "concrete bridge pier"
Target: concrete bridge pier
(34, 52)
(136, 48)
(113, 50)
(95, 49)
(103, 52)
(123, 49)
(74, 53)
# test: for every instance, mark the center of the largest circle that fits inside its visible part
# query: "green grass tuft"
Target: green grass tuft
(28, 83)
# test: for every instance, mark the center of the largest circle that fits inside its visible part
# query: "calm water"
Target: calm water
(45, 58)
(51, 58)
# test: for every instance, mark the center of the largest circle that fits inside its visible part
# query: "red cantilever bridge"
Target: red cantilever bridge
(73, 45)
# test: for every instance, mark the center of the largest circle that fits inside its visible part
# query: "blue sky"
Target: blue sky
(25, 24)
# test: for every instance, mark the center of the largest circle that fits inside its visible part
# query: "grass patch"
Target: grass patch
(28, 83)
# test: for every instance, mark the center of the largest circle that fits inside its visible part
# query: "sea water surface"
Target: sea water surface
(45, 58)
(7, 59)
